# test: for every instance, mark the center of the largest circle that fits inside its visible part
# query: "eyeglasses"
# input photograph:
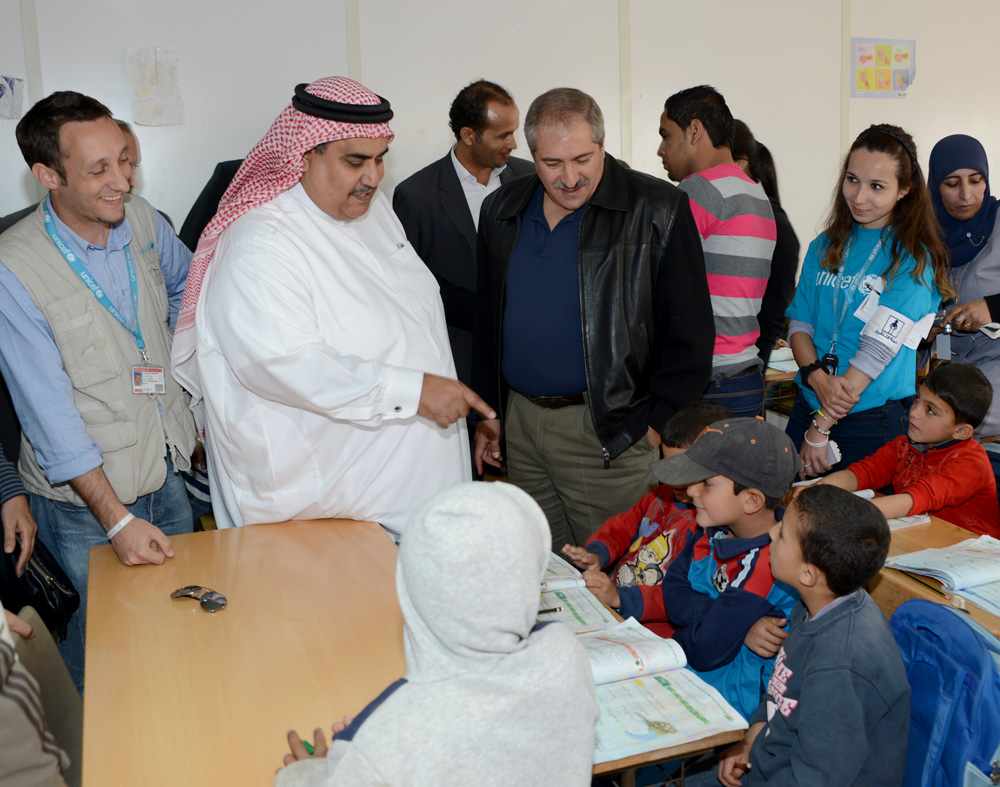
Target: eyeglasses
(210, 600)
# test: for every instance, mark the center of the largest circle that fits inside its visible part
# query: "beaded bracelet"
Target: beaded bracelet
(819, 411)
(825, 432)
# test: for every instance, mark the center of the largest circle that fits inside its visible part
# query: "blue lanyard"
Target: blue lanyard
(855, 283)
(94, 287)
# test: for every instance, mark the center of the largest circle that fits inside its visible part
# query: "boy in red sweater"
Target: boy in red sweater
(936, 467)
(644, 539)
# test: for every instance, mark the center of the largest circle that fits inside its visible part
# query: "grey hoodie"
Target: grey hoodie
(488, 698)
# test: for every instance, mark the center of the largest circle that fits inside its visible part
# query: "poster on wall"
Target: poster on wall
(882, 67)
(11, 97)
(154, 85)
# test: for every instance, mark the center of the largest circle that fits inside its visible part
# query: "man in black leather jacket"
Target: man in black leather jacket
(595, 321)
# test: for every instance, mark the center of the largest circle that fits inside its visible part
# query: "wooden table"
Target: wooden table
(313, 631)
(630, 764)
(890, 587)
(179, 696)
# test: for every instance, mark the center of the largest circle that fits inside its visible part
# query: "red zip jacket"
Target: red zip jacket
(954, 481)
(643, 541)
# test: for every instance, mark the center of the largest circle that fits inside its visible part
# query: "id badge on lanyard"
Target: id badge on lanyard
(146, 379)
(830, 361)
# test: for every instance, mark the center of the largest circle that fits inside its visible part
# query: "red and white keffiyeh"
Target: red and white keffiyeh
(272, 167)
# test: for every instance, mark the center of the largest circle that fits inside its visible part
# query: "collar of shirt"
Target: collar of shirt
(836, 603)
(468, 180)
(728, 546)
(119, 236)
(298, 191)
(923, 448)
(536, 211)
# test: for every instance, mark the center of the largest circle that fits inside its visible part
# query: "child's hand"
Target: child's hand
(581, 558)
(299, 751)
(733, 764)
(340, 726)
(766, 636)
(602, 587)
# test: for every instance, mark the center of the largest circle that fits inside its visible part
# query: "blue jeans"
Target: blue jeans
(743, 393)
(858, 435)
(70, 531)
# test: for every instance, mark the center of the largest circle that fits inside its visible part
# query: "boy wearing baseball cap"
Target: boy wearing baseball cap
(728, 611)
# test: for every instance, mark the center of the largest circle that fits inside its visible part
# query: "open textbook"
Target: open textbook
(565, 599)
(970, 569)
(578, 608)
(648, 699)
(560, 574)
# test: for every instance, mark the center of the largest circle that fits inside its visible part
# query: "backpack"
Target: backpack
(952, 666)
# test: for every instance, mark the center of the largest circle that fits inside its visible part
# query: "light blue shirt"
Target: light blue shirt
(30, 361)
(813, 304)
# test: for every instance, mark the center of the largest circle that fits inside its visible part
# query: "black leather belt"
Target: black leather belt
(554, 402)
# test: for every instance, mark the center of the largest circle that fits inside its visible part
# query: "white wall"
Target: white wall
(514, 44)
(18, 189)
(954, 89)
(240, 61)
(778, 62)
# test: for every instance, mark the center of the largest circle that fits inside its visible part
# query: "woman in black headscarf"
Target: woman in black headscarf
(960, 191)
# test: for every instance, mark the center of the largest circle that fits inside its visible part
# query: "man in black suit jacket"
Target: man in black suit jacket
(440, 212)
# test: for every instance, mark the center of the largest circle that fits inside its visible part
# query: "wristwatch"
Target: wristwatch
(805, 371)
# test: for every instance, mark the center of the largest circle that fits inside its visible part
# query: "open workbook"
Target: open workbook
(560, 574)
(648, 699)
(970, 569)
(565, 599)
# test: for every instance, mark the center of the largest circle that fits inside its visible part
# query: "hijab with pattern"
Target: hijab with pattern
(327, 110)
(964, 238)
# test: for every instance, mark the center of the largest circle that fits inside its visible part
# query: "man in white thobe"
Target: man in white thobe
(320, 341)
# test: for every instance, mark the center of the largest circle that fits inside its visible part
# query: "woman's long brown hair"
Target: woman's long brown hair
(913, 221)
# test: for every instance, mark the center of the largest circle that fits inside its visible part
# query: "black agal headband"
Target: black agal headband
(306, 102)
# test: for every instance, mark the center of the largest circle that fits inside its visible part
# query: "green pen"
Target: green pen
(309, 747)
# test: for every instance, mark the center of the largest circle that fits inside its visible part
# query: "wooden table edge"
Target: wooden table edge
(699, 746)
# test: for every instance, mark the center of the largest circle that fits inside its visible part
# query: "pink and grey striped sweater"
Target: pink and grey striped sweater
(737, 231)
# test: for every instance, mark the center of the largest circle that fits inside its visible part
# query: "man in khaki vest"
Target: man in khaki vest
(90, 283)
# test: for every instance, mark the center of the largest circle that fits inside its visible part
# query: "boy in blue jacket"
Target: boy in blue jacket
(837, 707)
(728, 611)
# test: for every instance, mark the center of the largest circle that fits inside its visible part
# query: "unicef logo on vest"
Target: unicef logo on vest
(71, 257)
(99, 292)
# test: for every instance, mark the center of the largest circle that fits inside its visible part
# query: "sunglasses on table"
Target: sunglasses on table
(210, 600)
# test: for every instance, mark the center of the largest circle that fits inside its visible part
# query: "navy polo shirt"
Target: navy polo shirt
(542, 325)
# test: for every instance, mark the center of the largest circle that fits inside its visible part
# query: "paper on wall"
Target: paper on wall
(882, 67)
(155, 85)
(11, 97)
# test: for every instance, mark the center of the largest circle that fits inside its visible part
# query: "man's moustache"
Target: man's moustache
(579, 184)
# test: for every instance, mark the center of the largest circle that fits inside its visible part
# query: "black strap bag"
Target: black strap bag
(43, 585)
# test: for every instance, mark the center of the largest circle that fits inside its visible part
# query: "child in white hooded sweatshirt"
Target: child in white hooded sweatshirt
(490, 697)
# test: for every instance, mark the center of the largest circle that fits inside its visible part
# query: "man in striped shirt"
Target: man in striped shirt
(15, 514)
(737, 231)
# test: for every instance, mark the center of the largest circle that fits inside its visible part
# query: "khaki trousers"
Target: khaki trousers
(556, 457)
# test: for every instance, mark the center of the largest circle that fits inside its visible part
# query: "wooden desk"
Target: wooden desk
(179, 696)
(783, 400)
(313, 631)
(772, 376)
(890, 587)
(630, 764)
